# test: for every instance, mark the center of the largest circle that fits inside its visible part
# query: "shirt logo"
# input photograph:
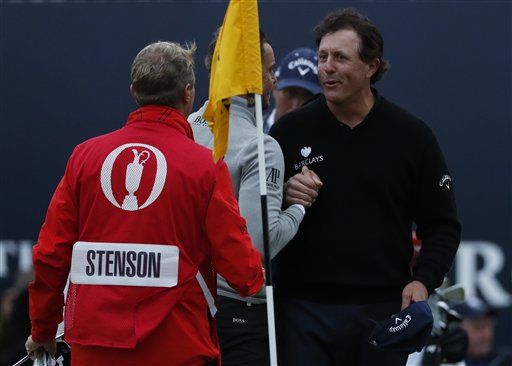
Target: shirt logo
(134, 168)
(305, 151)
(200, 121)
(308, 160)
(445, 181)
(272, 177)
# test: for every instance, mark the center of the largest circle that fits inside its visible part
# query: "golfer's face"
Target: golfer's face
(268, 63)
(341, 72)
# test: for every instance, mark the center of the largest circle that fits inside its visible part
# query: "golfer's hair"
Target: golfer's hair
(371, 45)
(160, 72)
(211, 47)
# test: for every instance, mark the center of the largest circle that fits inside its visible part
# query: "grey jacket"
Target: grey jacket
(242, 161)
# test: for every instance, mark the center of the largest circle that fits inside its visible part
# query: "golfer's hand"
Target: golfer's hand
(302, 188)
(36, 350)
(412, 292)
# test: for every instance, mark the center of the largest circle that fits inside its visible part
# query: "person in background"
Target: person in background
(297, 82)
(479, 321)
(382, 172)
(14, 319)
(242, 321)
(139, 221)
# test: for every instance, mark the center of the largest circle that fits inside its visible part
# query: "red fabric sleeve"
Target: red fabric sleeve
(52, 260)
(233, 254)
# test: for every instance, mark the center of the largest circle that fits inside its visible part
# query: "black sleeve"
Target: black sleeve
(435, 214)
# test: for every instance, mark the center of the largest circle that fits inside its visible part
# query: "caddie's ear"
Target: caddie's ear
(188, 94)
(187, 99)
(132, 90)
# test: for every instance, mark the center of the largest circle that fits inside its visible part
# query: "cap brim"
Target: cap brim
(287, 83)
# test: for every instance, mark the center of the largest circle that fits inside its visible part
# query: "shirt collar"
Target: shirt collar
(161, 114)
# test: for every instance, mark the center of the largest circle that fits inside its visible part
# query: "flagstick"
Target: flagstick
(266, 249)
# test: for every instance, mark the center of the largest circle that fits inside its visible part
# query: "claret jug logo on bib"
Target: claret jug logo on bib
(133, 176)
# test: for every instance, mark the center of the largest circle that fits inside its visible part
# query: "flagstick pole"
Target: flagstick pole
(266, 249)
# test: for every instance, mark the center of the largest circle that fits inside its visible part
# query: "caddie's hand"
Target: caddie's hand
(36, 350)
(302, 188)
(412, 292)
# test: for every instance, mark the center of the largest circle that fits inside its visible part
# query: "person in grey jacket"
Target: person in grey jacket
(242, 322)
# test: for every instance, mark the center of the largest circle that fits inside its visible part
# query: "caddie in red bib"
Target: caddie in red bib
(141, 221)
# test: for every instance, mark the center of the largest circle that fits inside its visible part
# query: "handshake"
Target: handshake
(302, 188)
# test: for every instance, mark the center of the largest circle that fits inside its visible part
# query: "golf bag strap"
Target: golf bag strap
(207, 294)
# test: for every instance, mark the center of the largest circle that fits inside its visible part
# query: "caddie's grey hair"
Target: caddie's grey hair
(160, 72)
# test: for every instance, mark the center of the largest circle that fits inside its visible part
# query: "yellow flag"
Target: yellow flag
(235, 69)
